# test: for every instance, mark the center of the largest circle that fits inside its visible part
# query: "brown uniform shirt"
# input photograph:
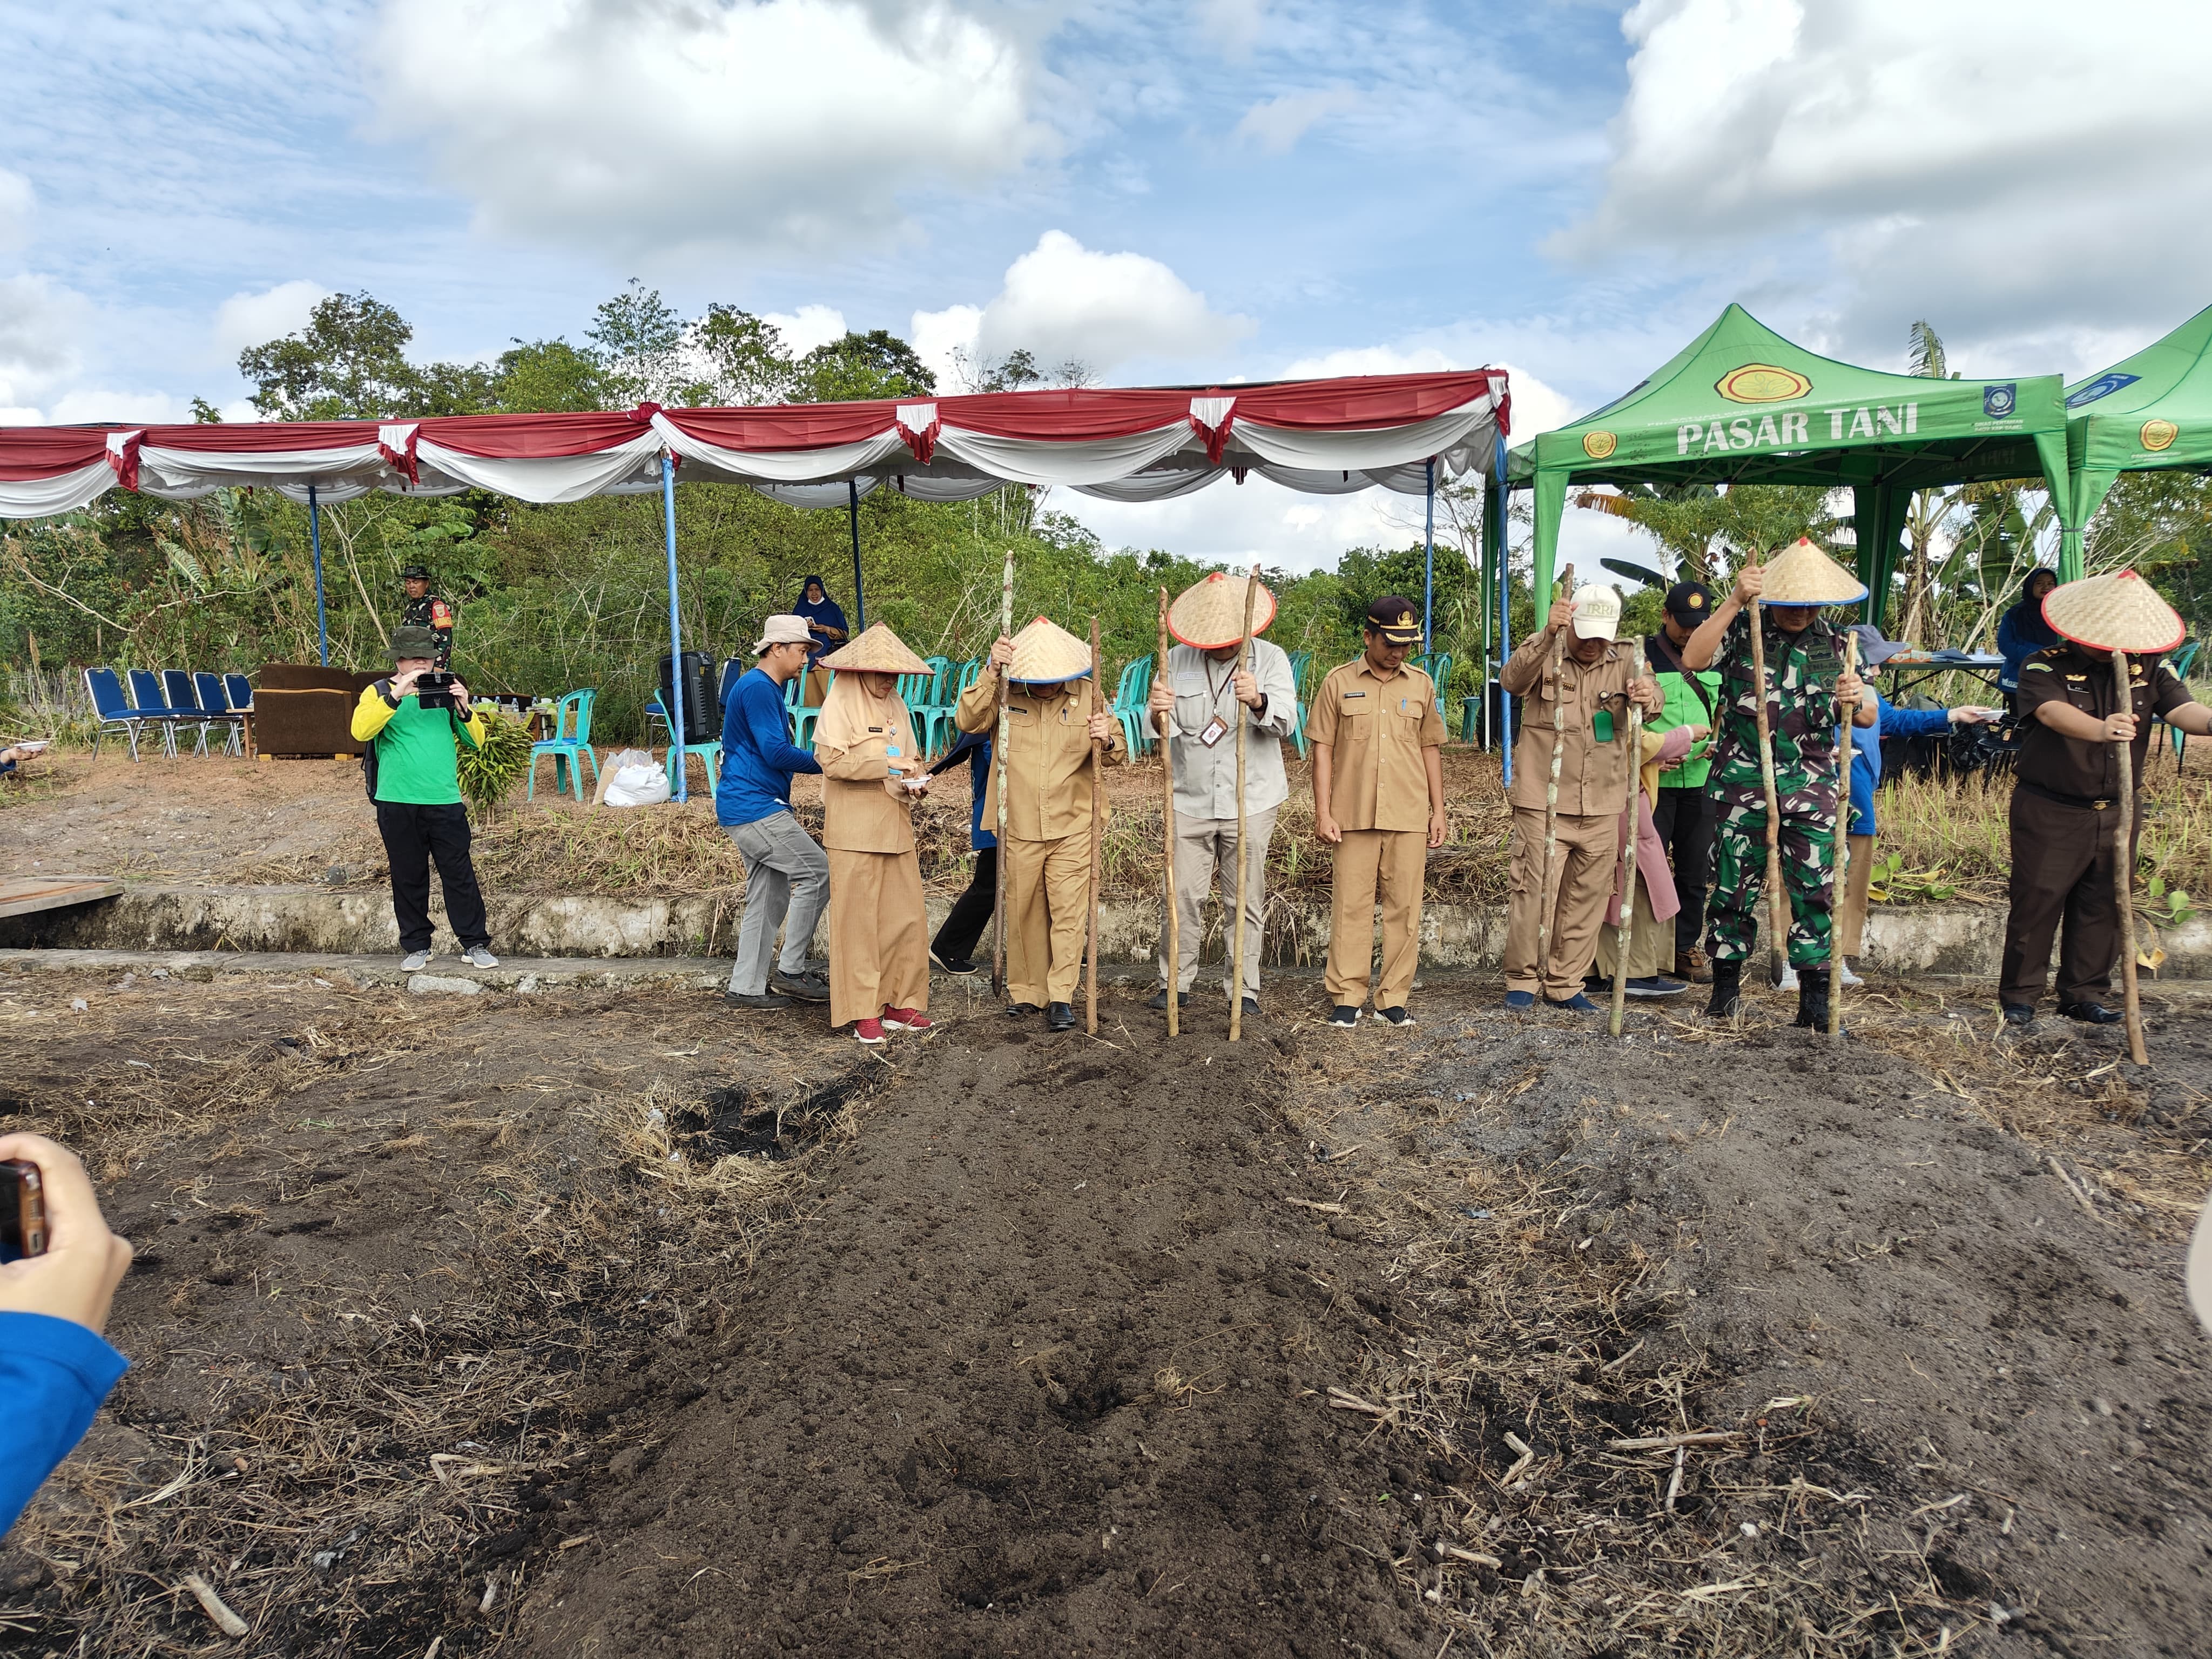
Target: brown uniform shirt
(1588, 706)
(1376, 729)
(858, 814)
(2074, 768)
(1047, 757)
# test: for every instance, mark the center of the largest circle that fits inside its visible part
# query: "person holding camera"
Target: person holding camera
(411, 722)
(55, 1366)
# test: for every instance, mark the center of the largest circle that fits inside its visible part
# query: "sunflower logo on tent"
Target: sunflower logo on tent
(1761, 383)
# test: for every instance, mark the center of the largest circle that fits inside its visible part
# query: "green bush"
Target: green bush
(489, 770)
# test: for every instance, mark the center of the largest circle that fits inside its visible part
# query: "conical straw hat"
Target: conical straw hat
(878, 650)
(1210, 614)
(1045, 654)
(2120, 612)
(1803, 574)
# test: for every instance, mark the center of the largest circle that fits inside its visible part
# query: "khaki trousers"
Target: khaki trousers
(1395, 861)
(1206, 856)
(878, 935)
(1850, 915)
(1649, 951)
(1582, 879)
(1047, 914)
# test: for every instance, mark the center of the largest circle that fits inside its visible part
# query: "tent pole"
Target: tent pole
(1429, 575)
(315, 541)
(678, 731)
(859, 599)
(1505, 626)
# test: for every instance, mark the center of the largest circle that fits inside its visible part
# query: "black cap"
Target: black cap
(415, 573)
(1398, 621)
(1689, 603)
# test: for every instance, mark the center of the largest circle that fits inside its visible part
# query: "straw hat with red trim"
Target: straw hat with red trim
(1045, 654)
(1210, 614)
(877, 651)
(2118, 612)
(1803, 574)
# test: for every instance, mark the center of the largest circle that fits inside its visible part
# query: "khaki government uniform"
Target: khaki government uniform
(878, 929)
(1376, 729)
(1047, 846)
(1206, 797)
(1593, 788)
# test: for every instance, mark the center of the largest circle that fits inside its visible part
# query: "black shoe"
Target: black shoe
(1577, 1004)
(2019, 1015)
(1159, 1001)
(955, 964)
(1344, 1015)
(1813, 999)
(2091, 1013)
(1016, 1010)
(754, 1000)
(809, 986)
(1727, 1000)
(1251, 1007)
(1397, 1017)
(1060, 1017)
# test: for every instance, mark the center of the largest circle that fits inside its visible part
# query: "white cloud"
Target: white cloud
(1277, 124)
(943, 339)
(1234, 25)
(250, 319)
(82, 405)
(1062, 300)
(16, 201)
(777, 127)
(807, 327)
(41, 325)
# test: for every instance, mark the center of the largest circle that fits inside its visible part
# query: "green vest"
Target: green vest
(1684, 707)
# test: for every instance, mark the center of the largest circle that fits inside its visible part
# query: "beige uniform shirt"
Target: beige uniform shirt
(858, 814)
(1587, 707)
(1047, 757)
(1206, 776)
(1377, 729)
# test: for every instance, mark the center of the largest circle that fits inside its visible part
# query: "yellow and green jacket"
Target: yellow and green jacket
(417, 763)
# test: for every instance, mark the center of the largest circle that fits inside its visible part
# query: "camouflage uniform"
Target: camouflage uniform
(432, 612)
(1802, 715)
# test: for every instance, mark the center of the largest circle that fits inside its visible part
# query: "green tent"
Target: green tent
(1741, 405)
(2149, 412)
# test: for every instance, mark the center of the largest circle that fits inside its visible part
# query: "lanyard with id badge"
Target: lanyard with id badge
(1215, 728)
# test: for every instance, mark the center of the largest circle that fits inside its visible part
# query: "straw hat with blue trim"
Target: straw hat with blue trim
(1045, 654)
(1803, 574)
(877, 651)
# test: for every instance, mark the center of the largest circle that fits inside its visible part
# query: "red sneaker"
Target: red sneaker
(869, 1030)
(907, 1019)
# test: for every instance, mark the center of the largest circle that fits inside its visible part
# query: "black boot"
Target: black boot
(1813, 999)
(1727, 1000)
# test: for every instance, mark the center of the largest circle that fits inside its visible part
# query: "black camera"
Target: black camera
(434, 690)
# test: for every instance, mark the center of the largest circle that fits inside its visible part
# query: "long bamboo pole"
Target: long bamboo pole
(2123, 860)
(1236, 955)
(1624, 934)
(1164, 724)
(998, 764)
(1552, 800)
(1777, 902)
(1836, 898)
(1097, 841)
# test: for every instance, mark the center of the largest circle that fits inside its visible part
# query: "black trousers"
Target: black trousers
(2061, 871)
(413, 836)
(1687, 821)
(964, 928)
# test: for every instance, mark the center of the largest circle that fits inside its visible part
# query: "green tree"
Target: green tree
(544, 376)
(348, 362)
(744, 360)
(639, 338)
(877, 364)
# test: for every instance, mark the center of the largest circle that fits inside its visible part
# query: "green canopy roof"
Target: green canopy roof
(1741, 405)
(2147, 413)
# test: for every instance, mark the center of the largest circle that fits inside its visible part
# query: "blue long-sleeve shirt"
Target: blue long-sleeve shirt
(2021, 632)
(973, 750)
(1866, 751)
(758, 756)
(53, 1374)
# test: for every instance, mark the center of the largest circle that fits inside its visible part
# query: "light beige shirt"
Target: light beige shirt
(1205, 777)
(1377, 730)
(1047, 757)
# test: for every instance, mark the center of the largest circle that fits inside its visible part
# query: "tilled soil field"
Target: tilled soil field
(609, 1325)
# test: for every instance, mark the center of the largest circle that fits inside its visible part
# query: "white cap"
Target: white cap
(786, 630)
(1597, 612)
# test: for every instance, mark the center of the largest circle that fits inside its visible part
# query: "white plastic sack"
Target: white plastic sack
(638, 785)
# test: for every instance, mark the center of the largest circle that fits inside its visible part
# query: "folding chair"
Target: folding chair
(216, 705)
(183, 696)
(111, 706)
(146, 696)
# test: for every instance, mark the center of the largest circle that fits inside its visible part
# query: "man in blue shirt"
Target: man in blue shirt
(787, 872)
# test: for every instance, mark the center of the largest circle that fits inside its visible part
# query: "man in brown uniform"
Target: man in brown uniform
(1377, 742)
(2065, 817)
(1583, 710)
(1047, 847)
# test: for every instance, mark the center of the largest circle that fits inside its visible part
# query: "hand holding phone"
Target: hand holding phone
(75, 1277)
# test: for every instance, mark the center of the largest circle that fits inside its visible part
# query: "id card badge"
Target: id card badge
(1602, 726)
(1216, 729)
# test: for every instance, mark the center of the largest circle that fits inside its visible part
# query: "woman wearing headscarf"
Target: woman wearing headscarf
(2021, 631)
(825, 619)
(871, 778)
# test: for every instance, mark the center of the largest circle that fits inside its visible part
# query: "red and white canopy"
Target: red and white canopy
(1324, 437)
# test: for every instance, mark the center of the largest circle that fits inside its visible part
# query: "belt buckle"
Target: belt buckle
(2098, 805)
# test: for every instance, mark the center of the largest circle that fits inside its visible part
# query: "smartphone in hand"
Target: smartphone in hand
(22, 1210)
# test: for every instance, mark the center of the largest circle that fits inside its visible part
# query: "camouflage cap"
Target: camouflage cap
(413, 643)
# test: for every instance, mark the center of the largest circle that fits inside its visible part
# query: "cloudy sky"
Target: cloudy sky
(1170, 190)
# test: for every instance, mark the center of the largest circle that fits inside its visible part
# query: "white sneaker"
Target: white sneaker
(478, 956)
(414, 961)
(1789, 979)
(1844, 973)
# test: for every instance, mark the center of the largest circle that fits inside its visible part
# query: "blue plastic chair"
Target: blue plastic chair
(111, 706)
(940, 730)
(1128, 705)
(1300, 661)
(216, 707)
(570, 746)
(802, 718)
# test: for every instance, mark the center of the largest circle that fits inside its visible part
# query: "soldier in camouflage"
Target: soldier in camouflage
(426, 610)
(1808, 694)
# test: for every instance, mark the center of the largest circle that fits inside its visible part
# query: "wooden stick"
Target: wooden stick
(1552, 803)
(999, 763)
(1237, 956)
(1097, 841)
(1836, 899)
(212, 1605)
(1165, 724)
(1625, 932)
(1777, 902)
(2124, 871)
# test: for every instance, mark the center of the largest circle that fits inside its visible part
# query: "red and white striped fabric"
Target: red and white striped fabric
(1139, 444)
